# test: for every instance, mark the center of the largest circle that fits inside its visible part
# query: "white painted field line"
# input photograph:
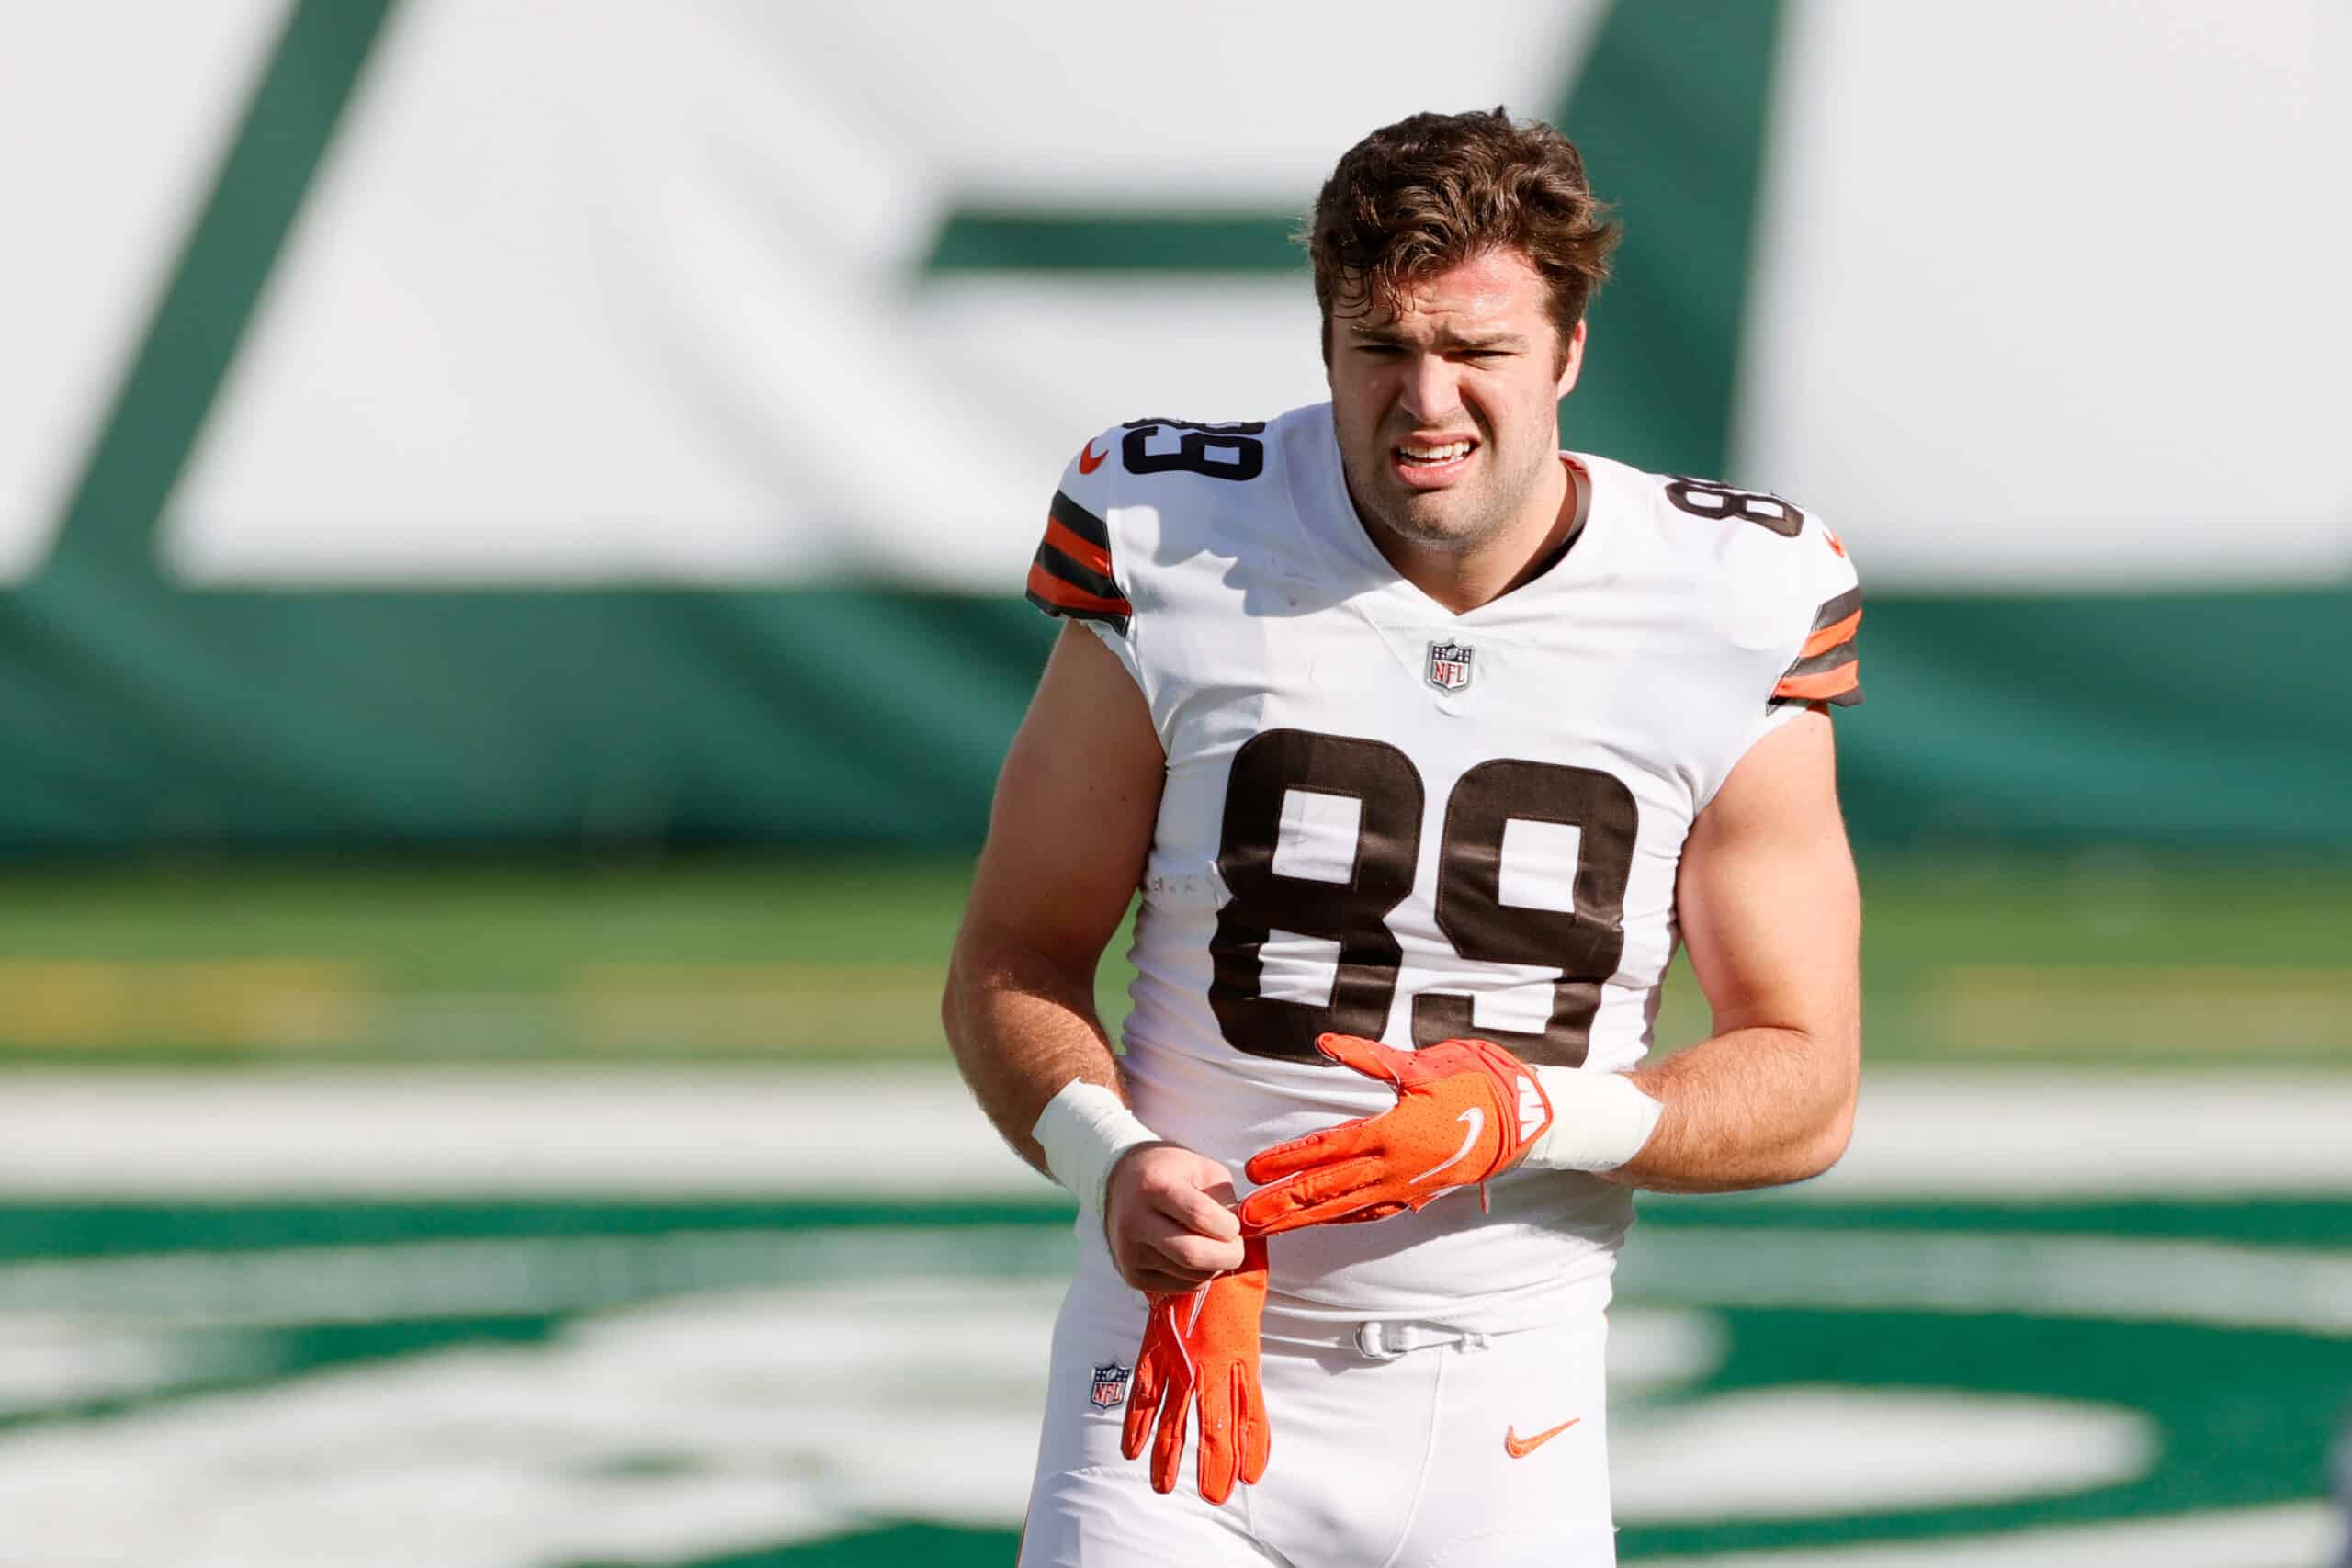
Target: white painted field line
(452, 1131)
(2302, 1535)
(2135, 1279)
(2105, 1278)
(2023, 1132)
(913, 1131)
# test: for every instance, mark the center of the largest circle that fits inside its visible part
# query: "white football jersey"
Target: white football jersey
(1383, 818)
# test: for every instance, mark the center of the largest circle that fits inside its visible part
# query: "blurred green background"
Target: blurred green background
(2111, 955)
(510, 536)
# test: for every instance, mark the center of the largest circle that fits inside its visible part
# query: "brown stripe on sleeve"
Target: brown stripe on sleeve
(1079, 521)
(1090, 555)
(1057, 597)
(1821, 663)
(1841, 686)
(1070, 574)
(1846, 605)
(1827, 667)
(1832, 635)
(1058, 566)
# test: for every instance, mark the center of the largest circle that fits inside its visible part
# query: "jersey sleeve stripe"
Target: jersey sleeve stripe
(1821, 663)
(1847, 604)
(1081, 522)
(1828, 667)
(1090, 555)
(1059, 598)
(1830, 636)
(1841, 686)
(1085, 579)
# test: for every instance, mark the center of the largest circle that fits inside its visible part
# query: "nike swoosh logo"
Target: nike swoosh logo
(1088, 462)
(1520, 1447)
(1477, 1120)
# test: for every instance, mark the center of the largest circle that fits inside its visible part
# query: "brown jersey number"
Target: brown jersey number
(1217, 451)
(1584, 943)
(1704, 498)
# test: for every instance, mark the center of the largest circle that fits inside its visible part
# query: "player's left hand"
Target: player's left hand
(1466, 1112)
(1202, 1347)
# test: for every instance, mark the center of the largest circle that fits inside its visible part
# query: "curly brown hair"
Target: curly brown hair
(1434, 190)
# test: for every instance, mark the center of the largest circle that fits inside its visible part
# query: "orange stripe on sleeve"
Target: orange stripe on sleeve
(1824, 686)
(1054, 591)
(1829, 637)
(1084, 552)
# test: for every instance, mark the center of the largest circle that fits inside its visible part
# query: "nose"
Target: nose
(1431, 392)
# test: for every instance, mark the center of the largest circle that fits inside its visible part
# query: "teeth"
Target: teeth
(1445, 454)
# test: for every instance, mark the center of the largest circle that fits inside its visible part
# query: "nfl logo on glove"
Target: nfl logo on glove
(1110, 1385)
(1449, 665)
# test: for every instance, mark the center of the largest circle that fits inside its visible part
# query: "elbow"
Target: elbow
(1830, 1140)
(956, 998)
(951, 1004)
(1830, 1145)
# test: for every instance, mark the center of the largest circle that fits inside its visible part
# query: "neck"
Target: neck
(1463, 580)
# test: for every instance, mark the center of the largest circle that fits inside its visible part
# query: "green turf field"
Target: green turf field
(506, 1319)
(780, 1382)
(2107, 956)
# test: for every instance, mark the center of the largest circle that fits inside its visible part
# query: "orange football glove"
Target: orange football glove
(1203, 1346)
(1466, 1112)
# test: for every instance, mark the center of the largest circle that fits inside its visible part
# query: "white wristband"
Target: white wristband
(1085, 1129)
(1599, 1121)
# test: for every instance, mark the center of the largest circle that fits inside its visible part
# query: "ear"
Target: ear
(1575, 359)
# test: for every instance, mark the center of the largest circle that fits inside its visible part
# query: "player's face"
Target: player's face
(1448, 409)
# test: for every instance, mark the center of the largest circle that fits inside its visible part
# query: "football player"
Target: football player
(1425, 742)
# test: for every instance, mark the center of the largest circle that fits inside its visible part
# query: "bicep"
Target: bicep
(1076, 805)
(1770, 909)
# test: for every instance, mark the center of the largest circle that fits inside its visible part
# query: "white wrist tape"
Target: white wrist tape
(1085, 1129)
(1599, 1121)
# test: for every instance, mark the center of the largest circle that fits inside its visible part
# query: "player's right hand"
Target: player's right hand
(1168, 1217)
(1202, 1347)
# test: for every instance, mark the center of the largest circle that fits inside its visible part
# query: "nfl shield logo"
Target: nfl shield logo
(1110, 1385)
(1449, 665)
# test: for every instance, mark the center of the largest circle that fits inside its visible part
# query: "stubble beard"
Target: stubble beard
(1452, 521)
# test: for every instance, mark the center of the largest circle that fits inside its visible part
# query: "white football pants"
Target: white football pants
(1395, 1445)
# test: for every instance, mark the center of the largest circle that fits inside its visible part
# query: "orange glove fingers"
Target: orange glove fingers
(1159, 1358)
(1312, 1197)
(1218, 1459)
(1202, 1347)
(1466, 1112)
(1325, 1143)
(1168, 1445)
(1321, 1148)
(1252, 1434)
(1369, 1057)
(1234, 1440)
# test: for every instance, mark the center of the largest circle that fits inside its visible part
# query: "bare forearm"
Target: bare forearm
(1753, 1108)
(1021, 1026)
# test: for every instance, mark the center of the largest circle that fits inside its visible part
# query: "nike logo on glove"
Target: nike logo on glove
(1477, 1120)
(1520, 1447)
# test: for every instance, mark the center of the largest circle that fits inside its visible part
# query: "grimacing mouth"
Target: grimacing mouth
(1433, 453)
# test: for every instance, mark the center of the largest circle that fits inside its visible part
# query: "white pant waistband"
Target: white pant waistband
(1385, 1339)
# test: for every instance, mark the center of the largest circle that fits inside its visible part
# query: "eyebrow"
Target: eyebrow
(1446, 339)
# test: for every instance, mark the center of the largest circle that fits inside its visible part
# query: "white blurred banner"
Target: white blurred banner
(2045, 296)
